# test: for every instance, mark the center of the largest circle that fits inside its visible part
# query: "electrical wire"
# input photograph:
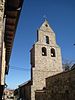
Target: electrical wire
(26, 69)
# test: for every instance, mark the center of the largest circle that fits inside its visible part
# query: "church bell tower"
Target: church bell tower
(45, 57)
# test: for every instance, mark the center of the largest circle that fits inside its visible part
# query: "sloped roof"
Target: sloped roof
(25, 83)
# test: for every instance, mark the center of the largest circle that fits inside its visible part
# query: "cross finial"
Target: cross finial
(45, 17)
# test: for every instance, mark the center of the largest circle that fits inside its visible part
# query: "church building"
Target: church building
(46, 61)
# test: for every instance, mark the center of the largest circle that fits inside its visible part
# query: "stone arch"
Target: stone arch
(44, 51)
(52, 52)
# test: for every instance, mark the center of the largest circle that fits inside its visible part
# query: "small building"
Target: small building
(23, 91)
(16, 94)
(8, 94)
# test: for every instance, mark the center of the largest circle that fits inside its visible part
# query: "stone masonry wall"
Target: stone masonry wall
(2, 4)
(59, 87)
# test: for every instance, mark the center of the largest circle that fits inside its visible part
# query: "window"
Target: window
(52, 52)
(46, 25)
(47, 39)
(44, 52)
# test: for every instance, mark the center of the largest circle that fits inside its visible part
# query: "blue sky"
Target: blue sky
(61, 17)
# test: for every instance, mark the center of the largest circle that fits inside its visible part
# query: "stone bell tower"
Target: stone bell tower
(45, 58)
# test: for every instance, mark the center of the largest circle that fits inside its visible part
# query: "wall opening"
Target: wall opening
(44, 51)
(47, 39)
(52, 52)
